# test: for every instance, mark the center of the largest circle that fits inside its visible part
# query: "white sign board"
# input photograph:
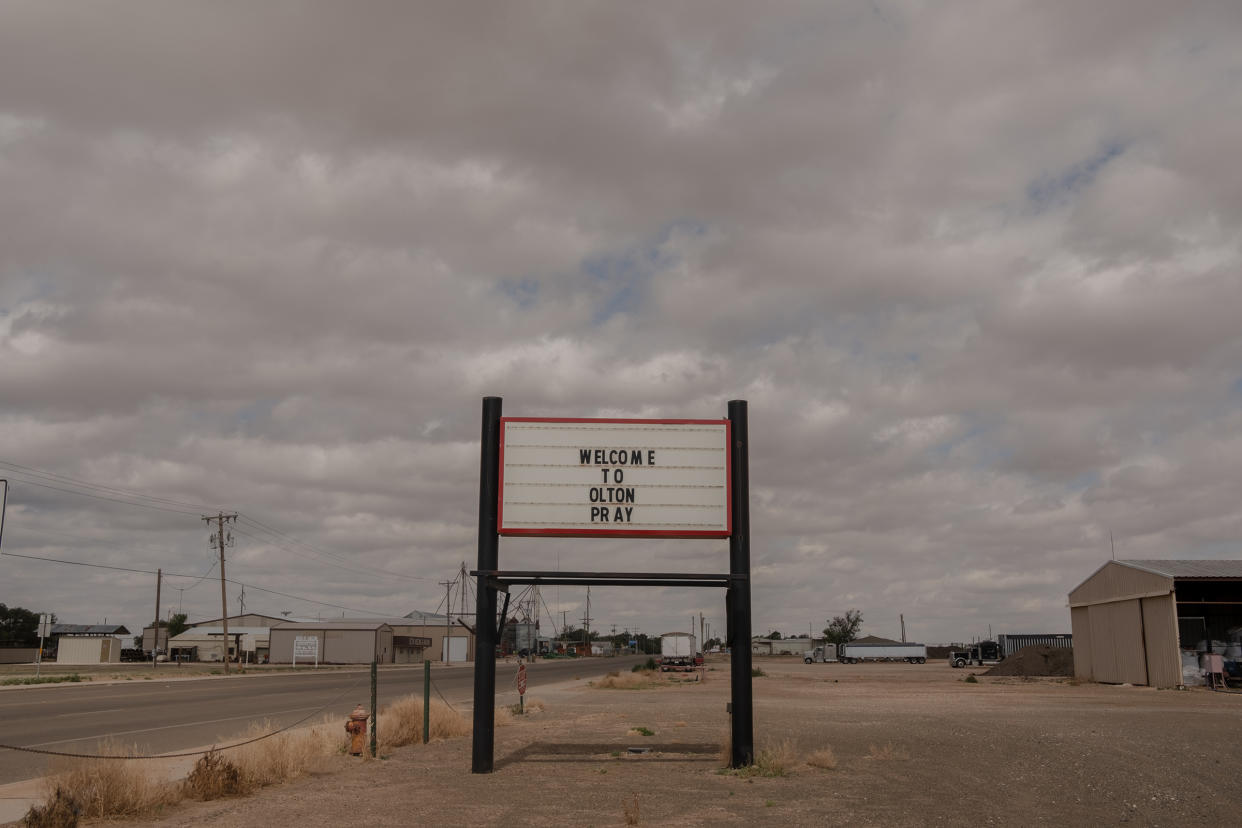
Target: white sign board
(306, 646)
(645, 478)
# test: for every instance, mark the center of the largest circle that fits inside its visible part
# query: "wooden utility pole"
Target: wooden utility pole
(586, 625)
(155, 638)
(448, 618)
(902, 616)
(221, 540)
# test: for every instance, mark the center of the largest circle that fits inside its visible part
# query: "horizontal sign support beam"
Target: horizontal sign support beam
(499, 579)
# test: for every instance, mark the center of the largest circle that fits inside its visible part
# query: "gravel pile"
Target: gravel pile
(1037, 660)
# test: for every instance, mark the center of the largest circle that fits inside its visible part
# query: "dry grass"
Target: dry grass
(288, 755)
(104, 788)
(887, 753)
(777, 760)
(631, 811)
(111, 788)
(726, 748)
(630, 681)
(504, 716)
(822, 758)
(401, 723)
(535, 706)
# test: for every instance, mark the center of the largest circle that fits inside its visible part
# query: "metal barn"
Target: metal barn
(1138, 622)
(340, 642)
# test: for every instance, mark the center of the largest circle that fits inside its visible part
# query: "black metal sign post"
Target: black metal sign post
(738, 596)
(491, 579)
(485, 622)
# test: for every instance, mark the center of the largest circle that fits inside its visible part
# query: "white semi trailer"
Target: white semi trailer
(855, 653)
(677, 651)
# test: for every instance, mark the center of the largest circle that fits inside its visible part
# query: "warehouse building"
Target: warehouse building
(403, 641)
(1147, 622)
(335, 642)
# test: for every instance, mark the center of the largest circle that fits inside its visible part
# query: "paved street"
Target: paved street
(161, 716)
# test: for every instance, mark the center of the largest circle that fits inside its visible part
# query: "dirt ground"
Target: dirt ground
(915, 745)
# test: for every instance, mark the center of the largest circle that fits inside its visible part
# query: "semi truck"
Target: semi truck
(987, 653)
(855, 653)
(824, 655)
(678, 652)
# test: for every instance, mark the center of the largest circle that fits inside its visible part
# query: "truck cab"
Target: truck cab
(985, 652)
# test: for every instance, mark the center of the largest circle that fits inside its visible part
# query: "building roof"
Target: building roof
(89, 629)
(427, 618)
(332, 624)
(1189, 569)
(200, 632)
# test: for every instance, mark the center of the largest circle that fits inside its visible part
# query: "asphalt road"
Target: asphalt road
(162, 716)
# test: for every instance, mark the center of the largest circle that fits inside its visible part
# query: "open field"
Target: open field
(912, 745)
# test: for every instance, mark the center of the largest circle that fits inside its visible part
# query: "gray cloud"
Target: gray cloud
(975, 270)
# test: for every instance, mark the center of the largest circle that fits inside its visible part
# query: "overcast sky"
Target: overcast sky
(975, 267)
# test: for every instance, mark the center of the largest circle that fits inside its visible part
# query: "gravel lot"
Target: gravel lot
(915, 744)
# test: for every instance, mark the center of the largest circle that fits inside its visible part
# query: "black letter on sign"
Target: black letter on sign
(650, 458)
(584, 456)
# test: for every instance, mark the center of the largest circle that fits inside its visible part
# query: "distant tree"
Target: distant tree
(19, 627)
(843, 629)
(177, 624)
(775, 635)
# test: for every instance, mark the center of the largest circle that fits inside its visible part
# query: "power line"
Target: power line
(131, 497)
(185, 575)
(66, 480)
(346, 564)
(101, 497)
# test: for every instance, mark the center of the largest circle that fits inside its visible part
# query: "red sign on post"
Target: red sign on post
(521, 680)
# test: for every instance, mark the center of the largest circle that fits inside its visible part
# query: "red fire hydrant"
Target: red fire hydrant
(356, 727)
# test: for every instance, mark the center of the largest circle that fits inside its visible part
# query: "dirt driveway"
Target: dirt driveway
(914, 744)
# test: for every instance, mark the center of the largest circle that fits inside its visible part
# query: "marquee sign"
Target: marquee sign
(637, 478)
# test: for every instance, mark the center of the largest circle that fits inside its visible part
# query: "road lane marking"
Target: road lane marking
(171, 727)
(90, 712)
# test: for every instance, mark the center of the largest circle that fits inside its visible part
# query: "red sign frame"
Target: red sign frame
(617, 533)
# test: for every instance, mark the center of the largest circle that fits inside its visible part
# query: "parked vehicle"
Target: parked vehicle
(981, 654)
(824, 655)
(994, 652)
(855, 653)
(677, 652)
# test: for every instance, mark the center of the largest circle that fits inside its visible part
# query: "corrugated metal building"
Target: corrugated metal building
(88, 649)
(1132, 619)
(340, 642)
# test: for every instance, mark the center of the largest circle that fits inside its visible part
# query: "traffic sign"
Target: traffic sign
(521, 680)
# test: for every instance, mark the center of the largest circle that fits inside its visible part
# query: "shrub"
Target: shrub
(213, 777)
(755, 672)
(60, 811)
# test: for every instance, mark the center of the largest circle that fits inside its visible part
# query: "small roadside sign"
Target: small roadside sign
(306, 646)
(521, 680)
(45, 626)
